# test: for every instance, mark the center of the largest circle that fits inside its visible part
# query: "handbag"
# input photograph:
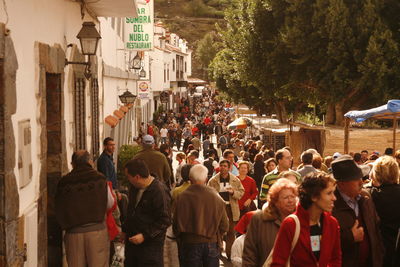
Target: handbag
(268, 261)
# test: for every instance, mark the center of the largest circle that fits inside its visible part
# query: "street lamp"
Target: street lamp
(136, 62)
(127, 98)
(89, 38)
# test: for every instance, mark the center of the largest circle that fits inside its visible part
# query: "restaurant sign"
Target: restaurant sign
(139, 31)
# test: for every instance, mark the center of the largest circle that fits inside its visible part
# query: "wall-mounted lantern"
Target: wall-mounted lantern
(89, 38)
(136, 62)
(127, 98)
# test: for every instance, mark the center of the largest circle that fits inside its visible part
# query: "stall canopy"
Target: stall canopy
(240, 123)
(389, 111)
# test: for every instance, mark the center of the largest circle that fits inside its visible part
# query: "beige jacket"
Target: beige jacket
(238, 191)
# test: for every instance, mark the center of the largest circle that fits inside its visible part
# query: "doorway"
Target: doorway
(54, 165)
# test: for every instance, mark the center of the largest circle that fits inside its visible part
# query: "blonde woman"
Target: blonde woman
(386, 196)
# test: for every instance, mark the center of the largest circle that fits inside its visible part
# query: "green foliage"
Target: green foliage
(284, 55)
(206, 50)
(125, 153)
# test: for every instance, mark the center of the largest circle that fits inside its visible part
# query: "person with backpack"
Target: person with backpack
(210, 164)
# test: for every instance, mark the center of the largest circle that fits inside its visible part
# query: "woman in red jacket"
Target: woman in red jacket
(246, 203)
(319, 240)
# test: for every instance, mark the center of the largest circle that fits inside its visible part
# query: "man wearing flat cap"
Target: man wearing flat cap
(155, 160)
(360, 237)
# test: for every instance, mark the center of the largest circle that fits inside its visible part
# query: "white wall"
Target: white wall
(50, 22)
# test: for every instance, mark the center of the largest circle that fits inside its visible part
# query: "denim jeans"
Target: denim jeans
(199, 255)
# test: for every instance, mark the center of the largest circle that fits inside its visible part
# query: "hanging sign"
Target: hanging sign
(139, 31)
(143, 89)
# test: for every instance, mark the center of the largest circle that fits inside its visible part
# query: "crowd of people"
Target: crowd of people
(230, 195)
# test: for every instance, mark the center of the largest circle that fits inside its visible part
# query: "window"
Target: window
(118, 27)
(80, 114)
(113, 23)
(168, 72)
(95, 118)
(185, 66)
(165, 75)
(173, 64)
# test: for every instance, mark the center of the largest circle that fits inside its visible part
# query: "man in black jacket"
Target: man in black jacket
(148, 216)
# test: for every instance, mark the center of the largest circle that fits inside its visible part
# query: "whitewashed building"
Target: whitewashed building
(49, 109)
(170, 65)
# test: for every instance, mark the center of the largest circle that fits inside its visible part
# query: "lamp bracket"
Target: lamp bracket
(75, 62)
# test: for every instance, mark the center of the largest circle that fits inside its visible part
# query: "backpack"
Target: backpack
(209, 165)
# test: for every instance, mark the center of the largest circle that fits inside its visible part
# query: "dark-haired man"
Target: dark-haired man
(105, 163)
(148, 216)
(231, 190)
(306, 159)
(82, 198)
(284, 159)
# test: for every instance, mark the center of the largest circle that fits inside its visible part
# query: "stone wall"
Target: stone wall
(12, 250)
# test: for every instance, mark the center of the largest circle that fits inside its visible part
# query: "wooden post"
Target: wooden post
(394, 133)
(346, 135)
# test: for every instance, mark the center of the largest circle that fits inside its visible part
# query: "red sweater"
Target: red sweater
(302, 255)
(250, 190)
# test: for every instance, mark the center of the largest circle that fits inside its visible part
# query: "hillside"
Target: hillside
(191, 20)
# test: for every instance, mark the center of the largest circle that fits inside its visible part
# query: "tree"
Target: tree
(334, 54)
(206, 50)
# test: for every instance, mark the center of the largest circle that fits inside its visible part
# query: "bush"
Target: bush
(125, 153)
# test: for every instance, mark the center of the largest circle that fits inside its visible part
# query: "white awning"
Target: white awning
(113, 8)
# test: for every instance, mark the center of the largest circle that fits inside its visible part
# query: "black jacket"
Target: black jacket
(152, 215)
(387, 203)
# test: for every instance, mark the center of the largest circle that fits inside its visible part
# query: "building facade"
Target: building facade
(47, 111)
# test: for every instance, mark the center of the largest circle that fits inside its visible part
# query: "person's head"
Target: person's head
(185, 172)
(270, 165)
(364, 155)
(317, 162)
(328, 160)
(224, 166)
(109, 145)
(244, 167)
(81, 158)
(282, 197)
(306, 158)
(357, 158)
(389, 151)
(198, 174)
(290, 175)
(318, 189)
(284, 159)
(147, 141)
(229, 155)
(137, 172)
(386, 171)
(348, 176)
(193, 155)
(165, 149)
(258, 157)
(397, 156)
(180, 156)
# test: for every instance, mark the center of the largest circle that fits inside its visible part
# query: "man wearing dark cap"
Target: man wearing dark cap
(360, 237)
(155, 160)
